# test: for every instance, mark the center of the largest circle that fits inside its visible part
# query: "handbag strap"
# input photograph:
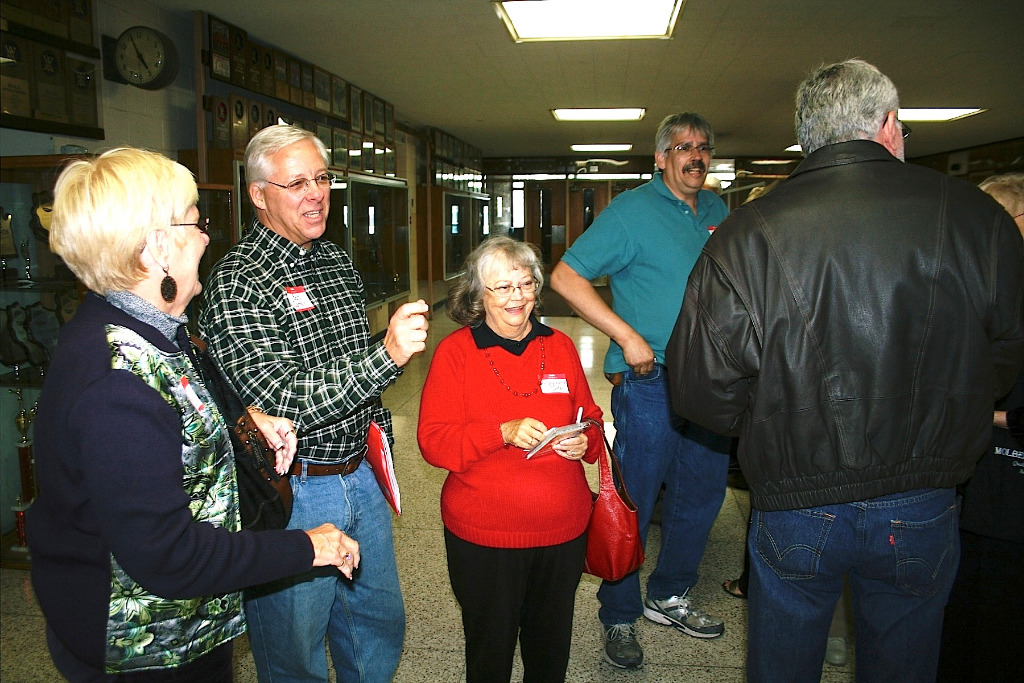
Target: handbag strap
(611, 477)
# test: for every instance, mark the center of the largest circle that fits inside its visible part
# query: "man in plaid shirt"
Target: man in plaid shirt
(284, 316)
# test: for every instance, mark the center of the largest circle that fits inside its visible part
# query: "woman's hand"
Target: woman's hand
(280, 435)
(523, 433)
(573, 447)
(332, 546)
(999, 419)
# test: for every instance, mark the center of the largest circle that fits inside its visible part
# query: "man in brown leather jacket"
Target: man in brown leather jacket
(852, 328)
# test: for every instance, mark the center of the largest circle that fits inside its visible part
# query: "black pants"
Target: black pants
(509, 594)
(984, 617)
(213, 667)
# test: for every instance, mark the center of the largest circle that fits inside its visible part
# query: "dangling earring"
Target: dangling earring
(168, 287)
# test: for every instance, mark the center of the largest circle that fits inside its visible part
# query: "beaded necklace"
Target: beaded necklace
(516, 393)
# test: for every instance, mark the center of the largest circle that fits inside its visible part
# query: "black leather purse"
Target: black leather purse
(264, 496)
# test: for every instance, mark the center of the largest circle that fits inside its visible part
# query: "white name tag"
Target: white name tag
(553, 384)
(298, 299)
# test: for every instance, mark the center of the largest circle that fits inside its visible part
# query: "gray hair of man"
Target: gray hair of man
(268, 142)
(466, 299)
(842, 102)
(671, 125)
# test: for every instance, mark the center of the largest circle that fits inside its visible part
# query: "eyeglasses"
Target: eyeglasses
(686, 148)
(201, 224)
(300, 186)
(903, 127)
(505, 291)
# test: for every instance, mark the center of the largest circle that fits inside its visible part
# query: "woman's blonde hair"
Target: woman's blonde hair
(465, 303)
(104, 207)
(1008, 190)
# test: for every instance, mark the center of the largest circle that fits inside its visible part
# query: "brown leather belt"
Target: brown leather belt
(314, 470)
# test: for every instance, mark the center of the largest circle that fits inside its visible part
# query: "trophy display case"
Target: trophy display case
(379, 210)
(38, 294)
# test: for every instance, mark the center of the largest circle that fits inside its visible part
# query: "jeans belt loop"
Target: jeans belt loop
(304, 466)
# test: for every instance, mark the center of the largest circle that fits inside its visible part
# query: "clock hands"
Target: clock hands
(138, 53)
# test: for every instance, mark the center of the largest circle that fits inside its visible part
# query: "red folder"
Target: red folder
(378, 454)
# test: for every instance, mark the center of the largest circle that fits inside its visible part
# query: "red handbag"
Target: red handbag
(614, 547)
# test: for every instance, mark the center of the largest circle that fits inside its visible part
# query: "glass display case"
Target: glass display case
(457, 232)
(216, 202)
(380, 236)
(337, 230)
(38, 293)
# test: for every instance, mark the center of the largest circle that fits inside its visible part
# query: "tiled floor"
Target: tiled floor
(433, 642)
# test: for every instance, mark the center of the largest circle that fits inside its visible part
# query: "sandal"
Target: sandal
(732, 587)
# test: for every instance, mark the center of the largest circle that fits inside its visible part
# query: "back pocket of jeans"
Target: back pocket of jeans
(791, 541)
(926, 552)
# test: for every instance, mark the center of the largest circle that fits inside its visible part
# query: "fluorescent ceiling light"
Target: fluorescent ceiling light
(606, 114)
(536, 20)
(936, 114)
(602, 148)
(773, 162)
(794, 148)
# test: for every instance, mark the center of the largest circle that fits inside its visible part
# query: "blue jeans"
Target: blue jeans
(901, 554)
(363, 619)
(652, 452)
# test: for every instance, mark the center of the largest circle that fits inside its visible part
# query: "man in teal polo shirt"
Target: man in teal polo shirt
(646, 241)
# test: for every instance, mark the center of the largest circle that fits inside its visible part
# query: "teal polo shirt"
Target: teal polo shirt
(646, 241)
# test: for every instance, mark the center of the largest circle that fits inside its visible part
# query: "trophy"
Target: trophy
(23, 420)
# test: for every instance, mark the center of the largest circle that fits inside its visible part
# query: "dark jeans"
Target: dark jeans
(652, 452)
(900, 553)
(510, 594)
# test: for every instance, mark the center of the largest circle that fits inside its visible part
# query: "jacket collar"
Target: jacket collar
(842, 153)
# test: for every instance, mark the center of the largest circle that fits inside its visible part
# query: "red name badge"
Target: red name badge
(298, 299)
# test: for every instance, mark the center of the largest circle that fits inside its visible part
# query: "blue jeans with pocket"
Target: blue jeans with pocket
(901, 553)
(363, 619)
(653, 452)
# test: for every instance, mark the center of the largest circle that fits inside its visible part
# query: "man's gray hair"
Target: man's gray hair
(841, 102)
(671, 125)
(268, 142)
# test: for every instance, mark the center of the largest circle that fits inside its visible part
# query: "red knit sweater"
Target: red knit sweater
(493, 495)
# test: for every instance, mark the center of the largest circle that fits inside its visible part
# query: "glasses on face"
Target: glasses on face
(903, 127)
(300, 186)
(686, 148)
(201, 224)
(505, 291)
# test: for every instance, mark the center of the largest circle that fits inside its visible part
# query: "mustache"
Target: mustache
(695, 165)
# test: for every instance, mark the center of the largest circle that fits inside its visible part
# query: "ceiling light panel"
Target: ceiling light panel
(539, 20)
(936, 114)
(602, 148)
(608, 114)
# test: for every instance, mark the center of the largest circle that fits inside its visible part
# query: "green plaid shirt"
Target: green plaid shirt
(314, 366)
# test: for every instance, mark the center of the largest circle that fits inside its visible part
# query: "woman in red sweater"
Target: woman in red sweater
(514, 527)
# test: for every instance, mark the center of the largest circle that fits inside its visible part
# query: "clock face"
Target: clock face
(146, 58)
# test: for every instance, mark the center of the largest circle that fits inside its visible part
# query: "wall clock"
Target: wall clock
(144, 57)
